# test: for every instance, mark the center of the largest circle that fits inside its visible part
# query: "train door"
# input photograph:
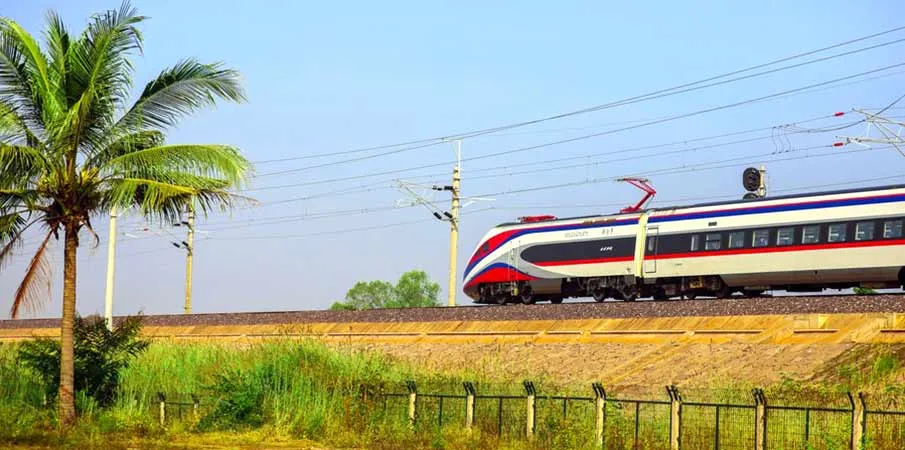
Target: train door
(650, 250)
(513, 258)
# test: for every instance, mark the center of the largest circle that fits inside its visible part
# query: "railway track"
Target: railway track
(783, 305)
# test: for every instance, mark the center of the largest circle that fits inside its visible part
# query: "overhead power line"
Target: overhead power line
(492, 208)
(673, 170)
(645, 124)
(637, 126)
(746, 160)
(674, 90)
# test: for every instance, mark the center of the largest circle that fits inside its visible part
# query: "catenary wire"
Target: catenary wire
(597, 107)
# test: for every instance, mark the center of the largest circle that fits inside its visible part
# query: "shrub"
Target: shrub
(100, 354)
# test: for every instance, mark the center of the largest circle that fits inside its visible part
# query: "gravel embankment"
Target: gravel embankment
(703, 307)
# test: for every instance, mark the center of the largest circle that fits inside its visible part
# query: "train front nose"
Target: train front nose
(470, 288)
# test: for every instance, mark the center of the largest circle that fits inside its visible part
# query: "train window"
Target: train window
(737, 239)
(695, 242)
(810, 234)
(864, 231)
(651, 243)
(892, 229)
(712, 241)
(836, 233)
(785, 236)
(761, 238)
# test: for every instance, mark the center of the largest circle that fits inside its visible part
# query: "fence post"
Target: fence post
(675, 417)
(413, 400)
(530, 395)
(163, 407)
(859, 420)
(196, 404)
(760, 419)
(469, 404)
(600, 403)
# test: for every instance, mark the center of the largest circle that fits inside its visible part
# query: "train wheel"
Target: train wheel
(500, 299)
(599, 295)
(660, 295)
(752, 293)
(526, 296)
(556, 300)
(627, 297)
(723, 292)
(691, 295)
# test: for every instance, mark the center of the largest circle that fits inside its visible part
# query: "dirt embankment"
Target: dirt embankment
(650, 367)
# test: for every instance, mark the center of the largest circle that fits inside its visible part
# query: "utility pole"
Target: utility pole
(454, 227)
(190, 249)
(111, 269)
(452, 216)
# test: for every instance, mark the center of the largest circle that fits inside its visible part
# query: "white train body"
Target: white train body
(799, 243)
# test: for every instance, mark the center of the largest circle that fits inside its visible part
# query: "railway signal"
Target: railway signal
(754, 181)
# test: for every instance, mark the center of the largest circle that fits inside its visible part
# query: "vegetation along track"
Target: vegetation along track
(841, 304)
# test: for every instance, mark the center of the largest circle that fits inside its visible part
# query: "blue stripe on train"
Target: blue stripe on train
(781, 208)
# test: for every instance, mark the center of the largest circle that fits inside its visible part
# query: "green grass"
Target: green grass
(288, 388)
(302, 389)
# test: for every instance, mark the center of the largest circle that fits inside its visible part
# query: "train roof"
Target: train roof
(724, 202)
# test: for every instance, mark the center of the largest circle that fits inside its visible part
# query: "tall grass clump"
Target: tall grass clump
(22, 397)
(299, 387)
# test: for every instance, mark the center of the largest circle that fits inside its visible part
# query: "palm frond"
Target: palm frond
(212, 161)
(152, 197)
(36, 66)
(166, 195)
(19, 165)
(35, 283)
(179, 91)
(125, 144)
(99, 74)
(13, 127)
(15, 200)
(58, 41)
(17, 86)
(12, 226)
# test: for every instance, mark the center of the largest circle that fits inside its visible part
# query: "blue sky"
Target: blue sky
(331, 76)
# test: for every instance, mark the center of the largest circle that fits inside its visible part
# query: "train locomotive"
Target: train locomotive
(797, 243)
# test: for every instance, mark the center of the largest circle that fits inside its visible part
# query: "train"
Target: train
(796, 243)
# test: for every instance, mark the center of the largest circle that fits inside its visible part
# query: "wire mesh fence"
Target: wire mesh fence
(560, 420)
(717, 426)
(884, 420)
(636, 423)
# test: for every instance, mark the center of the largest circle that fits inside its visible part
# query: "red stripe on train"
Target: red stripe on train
(571, 262)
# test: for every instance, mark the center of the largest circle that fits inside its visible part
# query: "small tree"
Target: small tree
(100, 355)
(370, 295)
(414, 289)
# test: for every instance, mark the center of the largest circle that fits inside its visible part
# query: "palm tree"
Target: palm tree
(72, 149)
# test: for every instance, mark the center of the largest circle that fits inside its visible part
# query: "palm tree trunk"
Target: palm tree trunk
(67, 362)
